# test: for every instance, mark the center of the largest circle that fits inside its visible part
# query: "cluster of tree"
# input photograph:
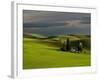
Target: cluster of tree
(65, 45)
(86, 43)
(75, 46)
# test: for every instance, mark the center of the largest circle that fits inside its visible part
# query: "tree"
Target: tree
(80, 46)
(67, 45)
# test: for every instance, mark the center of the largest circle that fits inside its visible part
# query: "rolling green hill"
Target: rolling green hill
(44, 52)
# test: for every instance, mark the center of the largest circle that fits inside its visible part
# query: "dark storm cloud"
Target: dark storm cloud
(48, 16)
(55, 23)
(44, 24)
(85, 20)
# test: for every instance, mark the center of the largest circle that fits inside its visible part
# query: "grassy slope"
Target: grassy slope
(41, 55)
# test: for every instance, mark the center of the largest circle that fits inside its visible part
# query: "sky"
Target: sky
(50, 23)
